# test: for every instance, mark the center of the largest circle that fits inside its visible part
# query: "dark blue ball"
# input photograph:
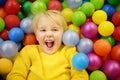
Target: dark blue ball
(2, 2)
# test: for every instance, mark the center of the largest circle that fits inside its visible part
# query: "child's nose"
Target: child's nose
(49, 34)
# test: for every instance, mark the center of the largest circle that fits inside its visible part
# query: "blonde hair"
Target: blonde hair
(51, 14)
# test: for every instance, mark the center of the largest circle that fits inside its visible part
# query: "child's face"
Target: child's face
(49, 35)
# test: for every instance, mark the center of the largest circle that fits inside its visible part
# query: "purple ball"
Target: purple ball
(95, 62)
(89, 30)
(111, 68)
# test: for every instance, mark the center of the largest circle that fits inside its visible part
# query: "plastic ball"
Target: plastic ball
(4, 34)
(85, 45)
(67, 13)
(26, 25)
(80, 61)
(117, 8)
(8, 49)
(115, 53)
(29, 39)
(5, 65)
(106, 28)
(116, 18)
(95, 62)
(16, 34)
(88, 8)
(74, 4)
(116, 33)
(26, 6)
(12, 21)
(78, 18)
(21, 1)
(111, 68)
(99, 16)
(89, 29)
(113, 2)
(1, 40)
(98, 75)
(109, 9)
(97, 3)
(2, 24)
(2, 2)
(54, 5)
(70, 38)
(21, 15)
(3, 13)
(102, 47)
(12, 7)
(37, 7)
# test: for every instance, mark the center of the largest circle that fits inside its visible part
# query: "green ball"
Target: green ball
(114, 2)
(37, 7)
(2, 24)
(64, 4)
(97, 75)
(97, 3)
(21, 15)
(117, 8)
(21, 1)
(26, 7)
(88, 8)
(78, 18)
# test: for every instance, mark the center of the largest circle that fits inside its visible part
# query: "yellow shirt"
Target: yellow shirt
(32, 64)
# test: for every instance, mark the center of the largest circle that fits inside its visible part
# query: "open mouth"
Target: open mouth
(49, 44)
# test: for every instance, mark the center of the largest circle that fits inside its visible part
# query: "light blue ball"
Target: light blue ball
(85, 45)
(26, 25)
(16, 34)
(80, 61)
(70, 38)
(1, 40)
(8, 49)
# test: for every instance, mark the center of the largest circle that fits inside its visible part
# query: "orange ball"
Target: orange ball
(3, 13)
(102, 47)
(29, 39)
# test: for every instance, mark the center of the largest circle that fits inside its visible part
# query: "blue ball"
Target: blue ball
(109, 9)
(26, 25)
(80, 61)
(2, 2)
(16, 34)
(1, 40)
(70, 38)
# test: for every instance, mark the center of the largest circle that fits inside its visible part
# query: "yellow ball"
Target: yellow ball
(99, 16)
(5, 65)
(67, 13)
(106, 28)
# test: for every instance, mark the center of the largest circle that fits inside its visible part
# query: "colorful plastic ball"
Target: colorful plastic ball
(111, 68)
(78, 18)
(113, 2)
(115, 52)
(74, 4)
(102, 47)
(54, 5)
(12, 7)
(116, 18)
(26, 25)
(95, 62)
(70, 38)
(37, 7)
(21, 1)
(85, 45)
(4, 34)
(12, 21)
(116, 33)
(8, 49)
(21, 15)
(106, 28)
(64, 4)
(99, 16)
(97, 3)
(6, 66)
(2, 24)
(67, 13)
(109, 9)
(1, 40)
(117, 8)
(89, 29)
(26, 6)
(98, 75)
(3, 13)
(80, 61)
(88, 8)
(29, 39)
(2, 2)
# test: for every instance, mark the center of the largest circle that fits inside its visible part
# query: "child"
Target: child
(50, 60)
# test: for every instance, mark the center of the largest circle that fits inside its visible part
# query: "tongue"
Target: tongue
(49, 44)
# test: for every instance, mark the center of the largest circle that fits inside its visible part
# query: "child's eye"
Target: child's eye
(54, 29)
(43, 30)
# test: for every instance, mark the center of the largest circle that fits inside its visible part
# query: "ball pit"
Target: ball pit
(79, 16)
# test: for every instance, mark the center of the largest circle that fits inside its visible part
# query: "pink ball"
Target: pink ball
(95, 62)
(111, 68)
(89, 30)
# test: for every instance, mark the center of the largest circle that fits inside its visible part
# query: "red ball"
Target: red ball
(12, 7)
(115, 52)
(116, 33)
(29, 39)
(54, 5)
(116, 18)
(4, 34)
(12, 21)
